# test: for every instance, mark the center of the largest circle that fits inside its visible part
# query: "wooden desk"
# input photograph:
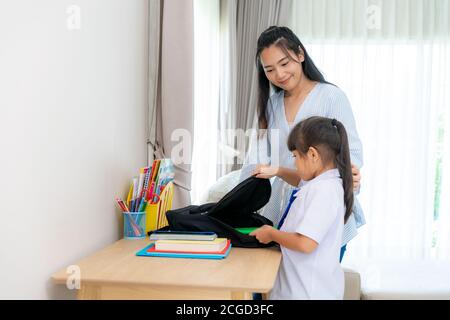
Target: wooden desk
(116, 273)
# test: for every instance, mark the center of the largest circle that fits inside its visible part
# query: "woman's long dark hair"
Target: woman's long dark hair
(286, 40)
(329, 138)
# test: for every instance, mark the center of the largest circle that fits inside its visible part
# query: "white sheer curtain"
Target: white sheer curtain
(443, 231)
(390, 57)
(206, 95)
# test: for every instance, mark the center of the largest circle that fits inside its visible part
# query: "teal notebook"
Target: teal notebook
(149, 251)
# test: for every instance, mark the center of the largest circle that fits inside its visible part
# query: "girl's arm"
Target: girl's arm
(290, 240)
(266, 172)
(291, 176)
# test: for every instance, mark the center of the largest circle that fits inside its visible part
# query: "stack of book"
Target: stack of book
(197, 245)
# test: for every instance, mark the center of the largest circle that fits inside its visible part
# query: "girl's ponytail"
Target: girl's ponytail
(344, 166)
(330, 139)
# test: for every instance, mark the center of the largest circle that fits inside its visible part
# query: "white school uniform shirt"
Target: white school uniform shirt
(318, 213)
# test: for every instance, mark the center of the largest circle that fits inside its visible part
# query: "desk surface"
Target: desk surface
(251, 270)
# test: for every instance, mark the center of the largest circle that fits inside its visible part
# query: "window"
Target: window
(395, 72)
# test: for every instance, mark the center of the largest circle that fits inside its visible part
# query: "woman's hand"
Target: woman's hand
(263, 234)
(356, 177)
(265, 171)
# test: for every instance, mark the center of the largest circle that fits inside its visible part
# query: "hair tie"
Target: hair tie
(334, 123)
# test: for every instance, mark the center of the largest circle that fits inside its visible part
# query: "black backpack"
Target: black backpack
(237, 209)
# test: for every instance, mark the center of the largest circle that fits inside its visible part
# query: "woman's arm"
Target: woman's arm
(290, 240)
(356, 178)
(339, 108)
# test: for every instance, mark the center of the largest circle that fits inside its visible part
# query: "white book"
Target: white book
(183, 235)
(215, 245)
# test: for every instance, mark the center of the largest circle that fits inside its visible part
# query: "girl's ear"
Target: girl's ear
(313, 154)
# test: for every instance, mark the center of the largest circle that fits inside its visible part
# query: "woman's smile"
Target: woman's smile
(285, 81)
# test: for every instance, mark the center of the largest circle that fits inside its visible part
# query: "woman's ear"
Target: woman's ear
(301, 55)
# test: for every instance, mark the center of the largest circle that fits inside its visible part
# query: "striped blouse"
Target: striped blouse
(324, 100)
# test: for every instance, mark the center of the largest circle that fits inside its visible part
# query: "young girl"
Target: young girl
(310, 231)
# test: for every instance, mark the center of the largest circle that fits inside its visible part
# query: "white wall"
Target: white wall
(72, 133)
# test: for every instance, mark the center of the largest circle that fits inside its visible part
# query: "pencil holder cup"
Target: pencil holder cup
(134, 224)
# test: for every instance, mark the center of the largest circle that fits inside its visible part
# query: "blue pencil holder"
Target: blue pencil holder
(134, 224)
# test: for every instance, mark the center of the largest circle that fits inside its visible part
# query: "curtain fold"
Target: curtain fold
(372, 19)
(227, 99)
(170, 89)
(154, 138)
(246, 19)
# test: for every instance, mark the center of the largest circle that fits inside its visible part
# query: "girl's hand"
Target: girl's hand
(265, 171)
(356, 177)
(263, 234)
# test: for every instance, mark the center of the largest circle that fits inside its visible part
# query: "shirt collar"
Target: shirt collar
(329, 174)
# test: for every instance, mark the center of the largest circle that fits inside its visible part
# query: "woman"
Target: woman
(300, 91)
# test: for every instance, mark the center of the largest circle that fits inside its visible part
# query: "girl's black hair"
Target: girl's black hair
(285, 39)
(329, 138)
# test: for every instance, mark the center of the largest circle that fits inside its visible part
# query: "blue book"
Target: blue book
(149, 251)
